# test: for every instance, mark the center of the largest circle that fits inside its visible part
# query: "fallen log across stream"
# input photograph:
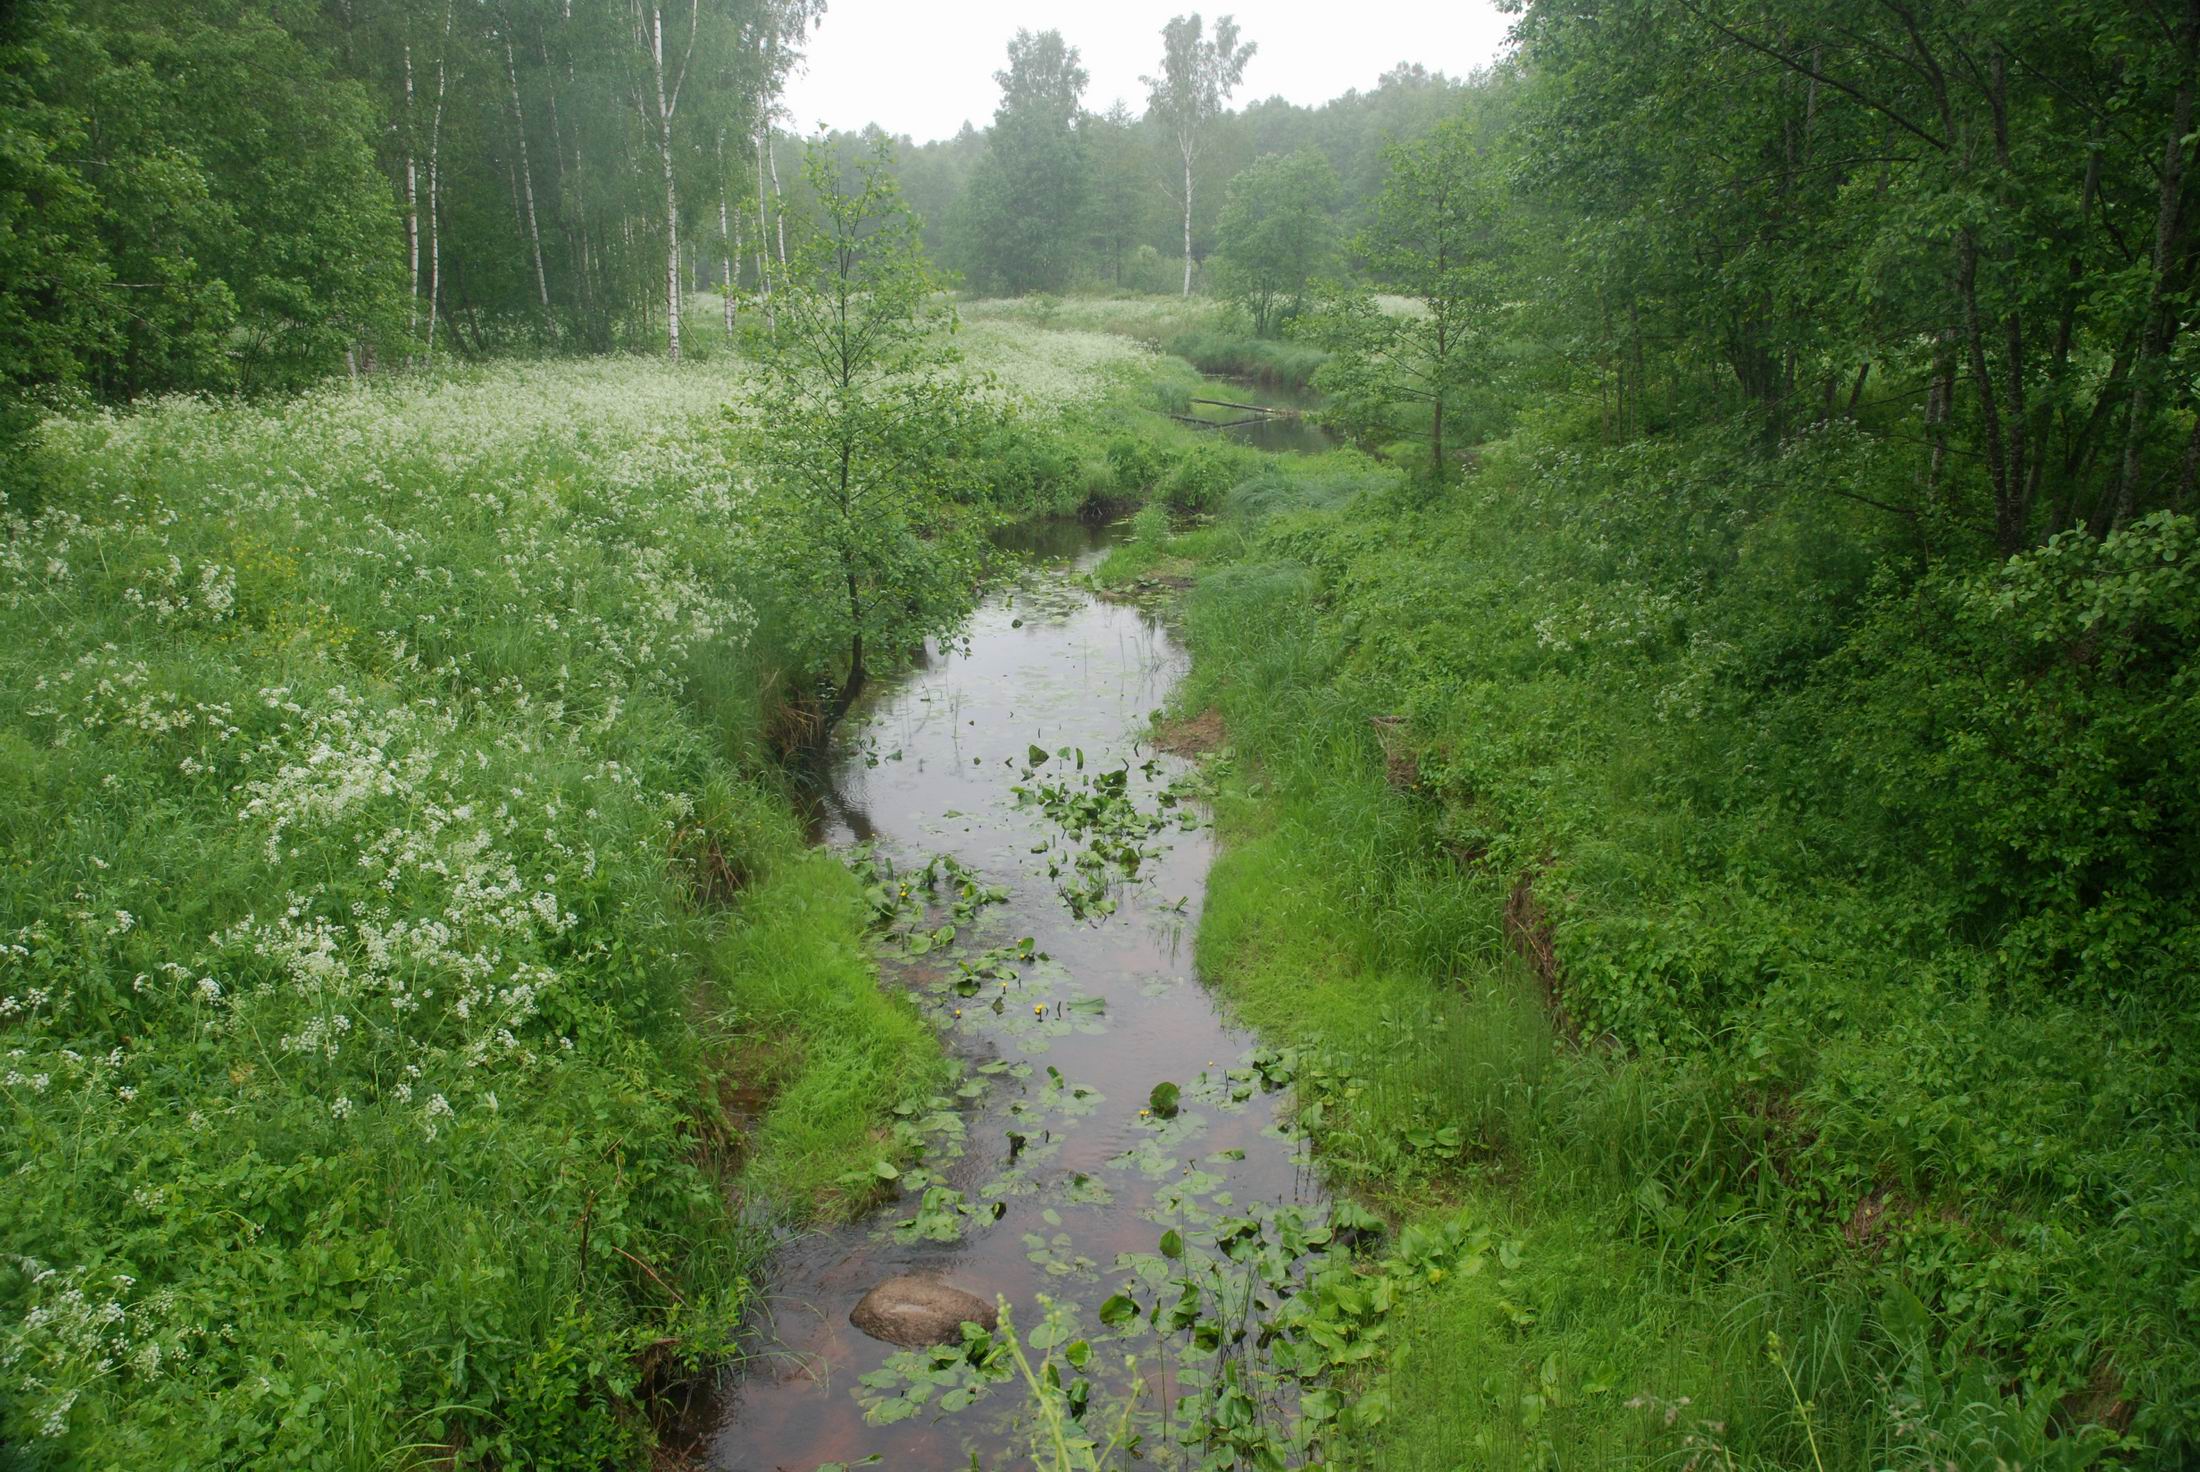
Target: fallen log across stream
(1268, 409)
(1198, 423)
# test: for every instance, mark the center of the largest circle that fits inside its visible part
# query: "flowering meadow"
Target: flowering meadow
(391, 874)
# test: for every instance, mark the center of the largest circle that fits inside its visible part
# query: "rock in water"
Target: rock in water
(913, 1311)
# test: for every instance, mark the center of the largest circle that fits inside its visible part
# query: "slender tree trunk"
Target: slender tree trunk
(511, 181)
(763, 242)
(771, 155)
(412, 201)
(435, 183)
(1940, 393)
(2008, 535)
(2016, 515)
(572, 210)
(851, 687)
(729, 248)
(1187, 222)
(665, 105)
(2158, 324)
(526, 174)
(672, 260)
(557, 131)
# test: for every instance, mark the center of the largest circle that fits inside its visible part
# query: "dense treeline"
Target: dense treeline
(1937, 266)
(252, 194)
(1110, 181)
(1970, 227)
(1963, 231)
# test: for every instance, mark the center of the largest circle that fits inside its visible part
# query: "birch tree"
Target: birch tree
(666, 83)
(1429, 238)
(729, 235)
(526, 170)
(435, 179)
(1198, 74)
(412, 194)
(863, 423)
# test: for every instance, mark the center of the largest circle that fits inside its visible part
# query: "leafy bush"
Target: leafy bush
(2034, 734)
(1199, 478)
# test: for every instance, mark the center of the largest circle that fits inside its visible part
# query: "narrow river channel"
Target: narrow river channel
(1059, 1162)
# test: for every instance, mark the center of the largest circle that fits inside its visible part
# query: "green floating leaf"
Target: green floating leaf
(1163, 1099)
(1172, 1244)
(1121, 1308)
(886, 1170)
(1037, 755)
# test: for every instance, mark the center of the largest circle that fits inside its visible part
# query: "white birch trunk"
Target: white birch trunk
(412, 201)
(763, 241)
(526, 175)
(728, 251)
(435, 184)
(1187, 222)
(771, 153)
(672, 259)
(668, 103)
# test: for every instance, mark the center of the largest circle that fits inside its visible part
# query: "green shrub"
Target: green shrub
(2033, 734)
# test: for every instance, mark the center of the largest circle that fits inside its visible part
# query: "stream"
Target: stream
(1291, 431)
(1052, 1169)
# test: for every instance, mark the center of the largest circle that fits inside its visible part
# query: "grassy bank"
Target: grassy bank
(1602, 839)
(408, 956)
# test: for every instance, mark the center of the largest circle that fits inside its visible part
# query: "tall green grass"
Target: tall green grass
(1234, 353)
(1773, 1197)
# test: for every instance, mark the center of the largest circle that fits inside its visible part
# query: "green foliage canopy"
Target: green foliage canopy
(1276, 234)
(1431, 238)
(863, 424)
(1023, 215)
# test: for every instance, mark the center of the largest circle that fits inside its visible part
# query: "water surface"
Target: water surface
(1067, 1053)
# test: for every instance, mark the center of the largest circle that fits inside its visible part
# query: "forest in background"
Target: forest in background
(1740, 675)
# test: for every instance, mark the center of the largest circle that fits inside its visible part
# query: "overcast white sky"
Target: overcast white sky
(922, 68)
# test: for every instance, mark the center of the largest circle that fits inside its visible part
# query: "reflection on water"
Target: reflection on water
(929, 771)
(1293, 434)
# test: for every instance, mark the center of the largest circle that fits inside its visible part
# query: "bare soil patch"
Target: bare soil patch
(1193, 736)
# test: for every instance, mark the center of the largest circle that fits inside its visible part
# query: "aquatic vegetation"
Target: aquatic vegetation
(1224, 1347)
(1108, 836)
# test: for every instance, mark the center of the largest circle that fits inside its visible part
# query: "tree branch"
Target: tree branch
(1795, 64)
